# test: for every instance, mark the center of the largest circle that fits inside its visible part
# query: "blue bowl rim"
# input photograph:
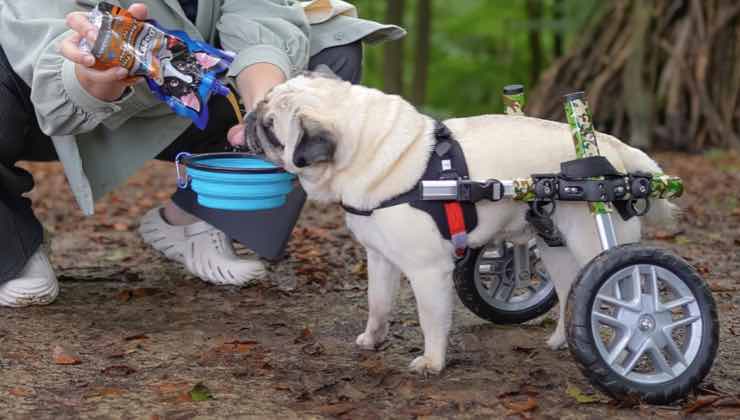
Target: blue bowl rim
(194, 162)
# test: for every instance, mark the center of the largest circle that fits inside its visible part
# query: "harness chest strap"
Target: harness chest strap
(453, 219)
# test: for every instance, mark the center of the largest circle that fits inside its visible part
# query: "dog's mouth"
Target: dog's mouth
(252, 134)
(261, 138)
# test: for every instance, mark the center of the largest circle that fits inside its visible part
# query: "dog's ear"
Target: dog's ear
(317, 144)
(322, 70)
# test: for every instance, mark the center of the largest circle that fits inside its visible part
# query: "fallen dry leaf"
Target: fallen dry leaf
(118, 370)
(136, 337)
(236, 347)
(702, 403)
(21, 392)
(128, 294)
(62, 356)
(520, 408)
(374, 366)
(170, 387)
(305, 335)
(663, 235)
(336, 409)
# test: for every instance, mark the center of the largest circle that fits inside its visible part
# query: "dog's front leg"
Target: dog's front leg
(383, 281)
(433, 292)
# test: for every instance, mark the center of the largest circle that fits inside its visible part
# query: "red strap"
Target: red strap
(456, 224)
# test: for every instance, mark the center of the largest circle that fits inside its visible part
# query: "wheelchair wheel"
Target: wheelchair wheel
(642, 324)
(487, 285)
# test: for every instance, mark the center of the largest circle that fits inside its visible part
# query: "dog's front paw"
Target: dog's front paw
(425, 365)
(366, 341)
(557, 341)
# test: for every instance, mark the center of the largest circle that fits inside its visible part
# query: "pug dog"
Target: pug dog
(358, 146)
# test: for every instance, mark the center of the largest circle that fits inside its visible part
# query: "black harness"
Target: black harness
(447, 162)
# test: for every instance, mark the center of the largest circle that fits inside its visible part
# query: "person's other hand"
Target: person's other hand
(106, 85)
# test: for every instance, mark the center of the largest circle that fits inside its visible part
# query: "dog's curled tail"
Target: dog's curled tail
(662, 211)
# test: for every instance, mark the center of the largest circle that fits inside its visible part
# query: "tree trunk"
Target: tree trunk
(423, 38)
(534, 13)
(639, 104)
(393, 52)
(558, 15)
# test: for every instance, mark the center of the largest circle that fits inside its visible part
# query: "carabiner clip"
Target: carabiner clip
(182, 181)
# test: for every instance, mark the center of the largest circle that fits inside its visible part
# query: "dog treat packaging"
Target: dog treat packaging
(180, 71)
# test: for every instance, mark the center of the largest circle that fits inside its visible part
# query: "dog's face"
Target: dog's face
(293, 126)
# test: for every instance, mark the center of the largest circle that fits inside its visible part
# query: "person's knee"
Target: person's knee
(344, 60)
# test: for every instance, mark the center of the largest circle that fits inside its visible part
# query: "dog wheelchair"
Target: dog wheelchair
(640, 322)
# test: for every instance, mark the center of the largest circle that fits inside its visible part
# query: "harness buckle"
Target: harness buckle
(472, 191)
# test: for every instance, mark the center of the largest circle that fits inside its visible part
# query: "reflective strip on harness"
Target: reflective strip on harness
(456, 224)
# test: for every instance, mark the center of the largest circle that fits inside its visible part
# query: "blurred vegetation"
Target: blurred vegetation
(476, 47)
(657, 73)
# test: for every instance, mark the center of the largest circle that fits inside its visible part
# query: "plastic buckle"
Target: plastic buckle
(472, 191)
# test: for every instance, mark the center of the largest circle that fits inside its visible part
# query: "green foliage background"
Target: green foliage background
(478, 46)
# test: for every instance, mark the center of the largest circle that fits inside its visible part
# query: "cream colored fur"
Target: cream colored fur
(382, 146)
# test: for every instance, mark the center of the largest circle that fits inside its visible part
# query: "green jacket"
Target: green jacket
(102, 144)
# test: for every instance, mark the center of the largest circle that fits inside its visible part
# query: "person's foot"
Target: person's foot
(36, 284)
(205, 251)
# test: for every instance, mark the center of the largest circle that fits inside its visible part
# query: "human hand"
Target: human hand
(106, 85)
(253, 82)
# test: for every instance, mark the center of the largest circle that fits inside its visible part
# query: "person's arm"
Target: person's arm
(271, 42)
(68, 96)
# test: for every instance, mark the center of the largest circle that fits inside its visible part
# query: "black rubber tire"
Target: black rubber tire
(464, 278)
(581, 341)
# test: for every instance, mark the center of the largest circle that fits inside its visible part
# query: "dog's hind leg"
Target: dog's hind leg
(434, 299)
(383, 281)
(577, 226)
(562, 268)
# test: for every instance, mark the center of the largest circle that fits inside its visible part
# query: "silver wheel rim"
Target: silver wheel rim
(495, 282)
(647, 324)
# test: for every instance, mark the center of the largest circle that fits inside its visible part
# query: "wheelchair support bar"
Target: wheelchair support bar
(553, 187)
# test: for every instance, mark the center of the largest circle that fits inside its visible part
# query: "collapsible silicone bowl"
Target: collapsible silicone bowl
(235, 181)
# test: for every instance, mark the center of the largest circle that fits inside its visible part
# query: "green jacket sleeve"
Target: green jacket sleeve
(31, 40)
(265, 31)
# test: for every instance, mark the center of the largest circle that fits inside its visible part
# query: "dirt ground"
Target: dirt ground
(143, 339)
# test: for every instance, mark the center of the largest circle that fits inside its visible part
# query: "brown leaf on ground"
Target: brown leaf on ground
(118, 370)
(63, 356)
(702, 403)
(128, 294)
(305, 335)
(121, 227)
(374, 366)
(136, 337)
(236, 347)
(663, 235)
(336, 409)
(520, 408)
(165, 388)
(21, 392)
